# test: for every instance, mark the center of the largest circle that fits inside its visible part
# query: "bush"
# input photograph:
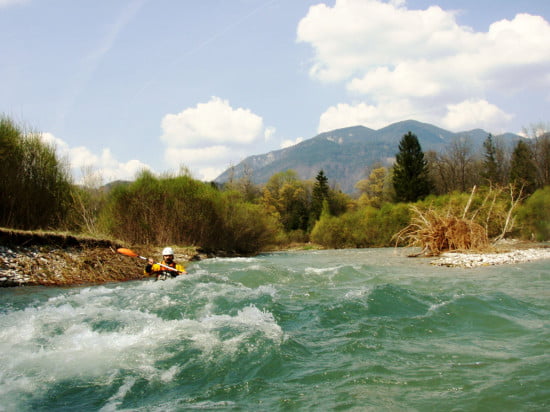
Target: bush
(534, 216)
(366, 227)
(181, 210)
(35, 186)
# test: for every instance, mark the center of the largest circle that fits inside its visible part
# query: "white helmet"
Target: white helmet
(167, 251)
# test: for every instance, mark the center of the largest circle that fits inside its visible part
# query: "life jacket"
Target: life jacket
(156, 269)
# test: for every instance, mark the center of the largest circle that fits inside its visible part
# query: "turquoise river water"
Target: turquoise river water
(362, 330)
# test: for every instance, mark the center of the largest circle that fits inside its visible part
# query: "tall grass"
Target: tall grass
(35, 186)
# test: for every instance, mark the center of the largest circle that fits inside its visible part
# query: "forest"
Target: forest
(503, 190)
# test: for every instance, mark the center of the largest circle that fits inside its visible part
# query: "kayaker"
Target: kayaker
(154, 269)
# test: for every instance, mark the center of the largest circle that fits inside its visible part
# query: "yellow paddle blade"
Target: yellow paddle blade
(127, 252)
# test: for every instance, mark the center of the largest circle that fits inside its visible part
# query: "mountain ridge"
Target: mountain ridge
(345, 154)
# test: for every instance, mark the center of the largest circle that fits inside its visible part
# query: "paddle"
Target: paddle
(131, 253)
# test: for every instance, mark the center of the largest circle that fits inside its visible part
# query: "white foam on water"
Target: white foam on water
(435, 306)
(116, 400)
(83, 334)
(358, 293)
(322, 271)
(235, 259)
(246, 323)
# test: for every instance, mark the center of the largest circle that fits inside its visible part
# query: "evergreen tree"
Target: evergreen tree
(410, 176)
(490, 166)
(320, 193)
(523, 169)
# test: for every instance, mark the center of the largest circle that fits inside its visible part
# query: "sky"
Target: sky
(119, 86)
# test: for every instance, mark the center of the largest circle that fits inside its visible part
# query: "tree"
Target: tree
(287, 198)
(523, 171)
(373, 189)
(495, 161)
(321, 193)
(462, 164)
(490, 166)
(410, 176)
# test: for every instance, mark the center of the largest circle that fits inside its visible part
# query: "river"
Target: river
(365, 329)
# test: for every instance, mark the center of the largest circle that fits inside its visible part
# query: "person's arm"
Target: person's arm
(150, 267)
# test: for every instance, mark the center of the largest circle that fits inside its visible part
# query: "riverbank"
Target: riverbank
(471, 260)
(51, 259)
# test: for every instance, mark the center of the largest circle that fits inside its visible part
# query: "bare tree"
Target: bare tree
(539, 139)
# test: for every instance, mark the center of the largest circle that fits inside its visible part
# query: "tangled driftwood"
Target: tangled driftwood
(436, 234)
(438, 231)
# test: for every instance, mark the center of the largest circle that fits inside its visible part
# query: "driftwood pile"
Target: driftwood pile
(436, 234)
(437, 231)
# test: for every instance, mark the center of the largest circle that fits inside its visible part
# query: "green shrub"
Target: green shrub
(182, 210)
(534, 216)
(35, 186)
(366, 227)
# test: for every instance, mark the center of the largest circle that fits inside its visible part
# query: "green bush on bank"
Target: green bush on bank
(534, 216)
(35, 186)
(366, 227)
(182, 210)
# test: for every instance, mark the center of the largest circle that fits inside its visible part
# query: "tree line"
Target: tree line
(241, 217)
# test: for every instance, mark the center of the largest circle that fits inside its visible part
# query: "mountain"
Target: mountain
(345, 154)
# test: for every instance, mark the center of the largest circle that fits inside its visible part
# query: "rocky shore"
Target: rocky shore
(31, 259)
(470, 260)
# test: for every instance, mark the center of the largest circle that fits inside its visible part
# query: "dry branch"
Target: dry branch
(436, 234)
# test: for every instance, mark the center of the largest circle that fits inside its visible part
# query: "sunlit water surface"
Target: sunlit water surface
(366, 329)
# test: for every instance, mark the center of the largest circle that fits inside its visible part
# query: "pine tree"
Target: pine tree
(490, 166)
(410, 175)
(320, 193)
(523, 169)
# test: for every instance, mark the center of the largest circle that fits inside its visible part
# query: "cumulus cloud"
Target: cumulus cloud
(7, 3)
(288, 142)
(104, 165)
(344, 115)
(384, 51)
(471, 114)
(211, 135)
(214, 122)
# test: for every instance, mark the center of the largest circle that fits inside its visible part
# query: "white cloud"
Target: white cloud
(472, 114)
(206, 163)
(269, 133)
(288, 142)
(104, 165)
(211, 136)
(369, 38)
(355, 35)
(7, 3)
(374, 116)
(387, 52)
(214, 122)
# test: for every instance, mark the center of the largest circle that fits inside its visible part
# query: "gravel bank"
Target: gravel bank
(470, 260)
(49, 259)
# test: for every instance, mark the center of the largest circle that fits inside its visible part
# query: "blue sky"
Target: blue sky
(123, 85)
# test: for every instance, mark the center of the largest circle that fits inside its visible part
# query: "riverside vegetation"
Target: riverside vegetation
(501, 194)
